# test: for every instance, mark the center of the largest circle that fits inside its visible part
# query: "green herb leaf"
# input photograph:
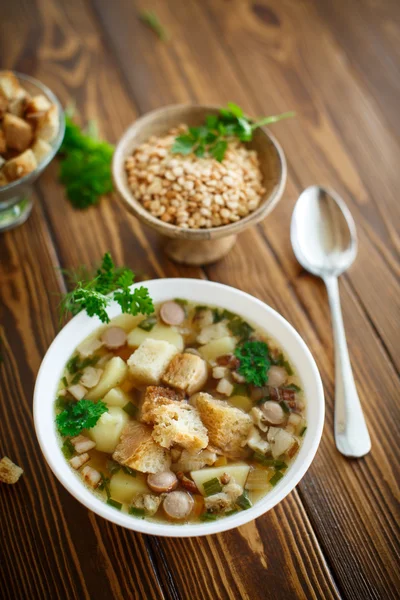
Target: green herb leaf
(240, 329)
(280, 361)
(218, 150)
(254, 362)
(302, 432)
(285, 407)
(113, 467)
(235, 109)
(292, 386)
(213, 486)
(150, 19)
(85, 166)
(231, 512)
(183, 144)
(129, 471)
(95, 294)
(80, 415)
(105, 485)
(244, 501)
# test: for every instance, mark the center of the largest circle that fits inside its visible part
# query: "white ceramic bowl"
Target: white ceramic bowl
(201, 292)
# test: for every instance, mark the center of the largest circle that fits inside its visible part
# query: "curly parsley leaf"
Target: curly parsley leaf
(211, 139)
(85, 166)
(254, 362)
(108, 283)
(80, 415)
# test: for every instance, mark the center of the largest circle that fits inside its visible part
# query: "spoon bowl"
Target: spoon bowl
(324, 240)
(323, 232)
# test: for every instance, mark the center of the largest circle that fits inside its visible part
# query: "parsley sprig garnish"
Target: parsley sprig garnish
(85, 165)
(254, 362)
(80, 415)
(109, 283)
(211, 139)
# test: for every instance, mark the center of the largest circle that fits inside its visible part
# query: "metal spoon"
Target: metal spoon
(324, 240)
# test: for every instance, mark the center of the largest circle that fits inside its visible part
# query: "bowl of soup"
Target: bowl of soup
(190, 421)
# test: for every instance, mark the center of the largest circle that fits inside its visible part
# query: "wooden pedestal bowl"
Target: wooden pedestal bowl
(197, 246)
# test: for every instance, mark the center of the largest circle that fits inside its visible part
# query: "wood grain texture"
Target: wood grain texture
(337, 534)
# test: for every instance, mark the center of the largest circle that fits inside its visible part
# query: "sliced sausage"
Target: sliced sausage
(178, 505)
(277, 376)
(172, 313)
(113, 337)
(273, 412)
(166, 481)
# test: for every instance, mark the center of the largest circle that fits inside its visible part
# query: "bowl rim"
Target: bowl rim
(174, 231)
(164, 289)
(55, 144)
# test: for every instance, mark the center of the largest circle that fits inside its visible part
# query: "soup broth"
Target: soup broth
(189, 415)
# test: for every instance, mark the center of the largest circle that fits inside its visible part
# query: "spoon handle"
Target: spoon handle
(351, 433)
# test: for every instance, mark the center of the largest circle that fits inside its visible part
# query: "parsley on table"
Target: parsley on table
(211, 139)
(85, 166)
(109, 283)
(254, 362)
(150, 18)
(80, 415)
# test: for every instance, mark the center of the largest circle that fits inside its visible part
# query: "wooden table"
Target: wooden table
(337, 63)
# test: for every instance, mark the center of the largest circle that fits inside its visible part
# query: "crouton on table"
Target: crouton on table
(9, 472)
(138, 450)
(47, 125)
(10, 86)
(186, 372)
(228, 427)
(18, 132)
(37, 106)
(149, 361)
(20, 165)
(40, 149)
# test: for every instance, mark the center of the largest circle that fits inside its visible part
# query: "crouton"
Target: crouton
(36, 107)
(40, 149)
(10, 86)
(148, 363)
(3, 104)
(154, 397)
(9, 472)
(138, 450)
(186, 372)
(228, 427)
(179, 423)
(17, 106)
(20, 165)
(3, 142)
(47, 125)
(17, 131)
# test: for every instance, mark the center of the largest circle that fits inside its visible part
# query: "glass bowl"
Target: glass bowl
(15, 198)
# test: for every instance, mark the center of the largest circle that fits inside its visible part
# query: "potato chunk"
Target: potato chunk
(108, 429)
(215, 348)
(238, 473)
(114, 373)
(124, 487)
(159, 332)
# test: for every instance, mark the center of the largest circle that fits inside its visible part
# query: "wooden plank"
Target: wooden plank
(375, 518)
(51, 545)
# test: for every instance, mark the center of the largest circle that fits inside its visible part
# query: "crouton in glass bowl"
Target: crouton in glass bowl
(32, 128)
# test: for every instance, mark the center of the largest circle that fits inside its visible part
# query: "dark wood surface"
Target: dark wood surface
(337, 64)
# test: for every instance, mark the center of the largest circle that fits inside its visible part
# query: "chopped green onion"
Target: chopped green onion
(212, 486)
(65, 382)
(129, 471)
(61, 403)
(113, 467)
(181, 301)
(269, 462)
(137, 512)
(244, 501)
(280, 361)
(68, 449)
(76, 378)
(302, 432)
(275, 478)
(90, 361)
(200, 308)
(240, 328)
(285, 407)
(279, 465)
(231, 512)
(104, 485)
(148, 324)
(207, 516)
(130, 409)
(73, 364)
(292, 386)
(239, 389)
(114, 503)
